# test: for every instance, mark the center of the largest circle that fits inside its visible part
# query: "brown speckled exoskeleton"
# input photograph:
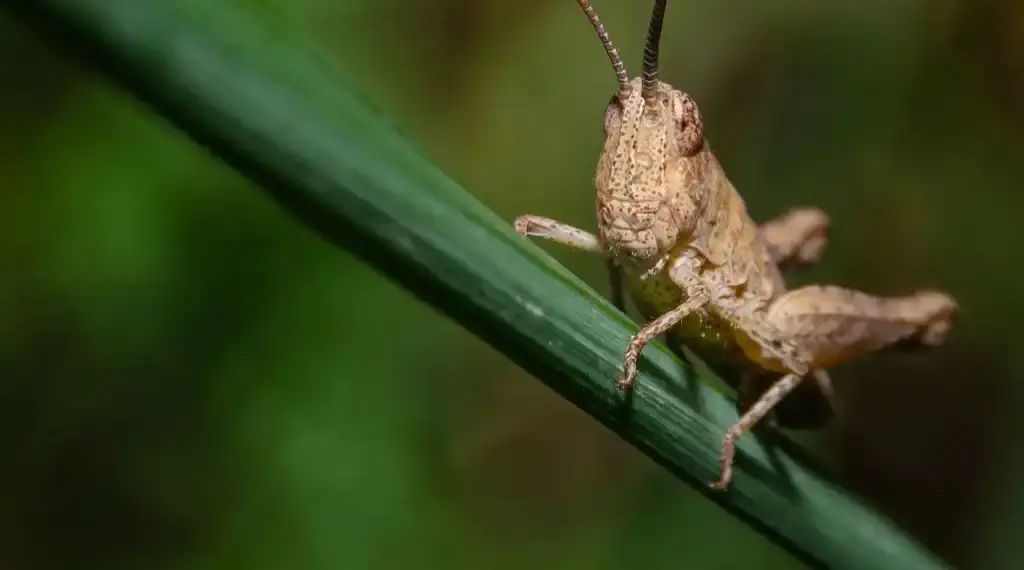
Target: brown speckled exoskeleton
(676, 231)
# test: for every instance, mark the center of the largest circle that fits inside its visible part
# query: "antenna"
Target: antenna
(650, 73)
(609, 47)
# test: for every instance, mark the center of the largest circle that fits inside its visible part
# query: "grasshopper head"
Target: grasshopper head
(651, 155)
(653, 143)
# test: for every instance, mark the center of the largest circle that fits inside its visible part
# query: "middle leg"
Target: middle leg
(652, 330)
(760, 339)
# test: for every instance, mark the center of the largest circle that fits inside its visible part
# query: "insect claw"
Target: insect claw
(625, 382)
(722, 484)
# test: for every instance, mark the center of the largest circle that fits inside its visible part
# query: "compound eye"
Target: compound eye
(691, 136)
(612, 114)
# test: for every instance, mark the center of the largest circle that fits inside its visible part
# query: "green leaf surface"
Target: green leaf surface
(274, 109)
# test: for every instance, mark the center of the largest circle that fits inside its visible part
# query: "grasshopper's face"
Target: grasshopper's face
(647, 144)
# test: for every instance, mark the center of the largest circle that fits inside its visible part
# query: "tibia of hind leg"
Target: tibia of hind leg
(810, 405)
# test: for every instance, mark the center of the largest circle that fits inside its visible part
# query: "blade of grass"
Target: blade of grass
(276, 111)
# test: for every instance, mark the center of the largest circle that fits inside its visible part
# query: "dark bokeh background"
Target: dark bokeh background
(188, 378)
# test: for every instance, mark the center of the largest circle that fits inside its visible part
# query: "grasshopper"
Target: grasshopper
(676, 233)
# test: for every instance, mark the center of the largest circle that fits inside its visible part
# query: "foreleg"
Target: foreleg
(539, 226)
(618, 293)
(553, 230)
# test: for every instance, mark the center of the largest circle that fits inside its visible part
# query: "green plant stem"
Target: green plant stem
(279, 113)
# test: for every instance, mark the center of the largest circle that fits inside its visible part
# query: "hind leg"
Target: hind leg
(832, 325)
(797, 238)
(810, 405)
(827, 326)
(758, 411)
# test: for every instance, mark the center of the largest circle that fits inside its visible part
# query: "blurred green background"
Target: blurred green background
(188, 378)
